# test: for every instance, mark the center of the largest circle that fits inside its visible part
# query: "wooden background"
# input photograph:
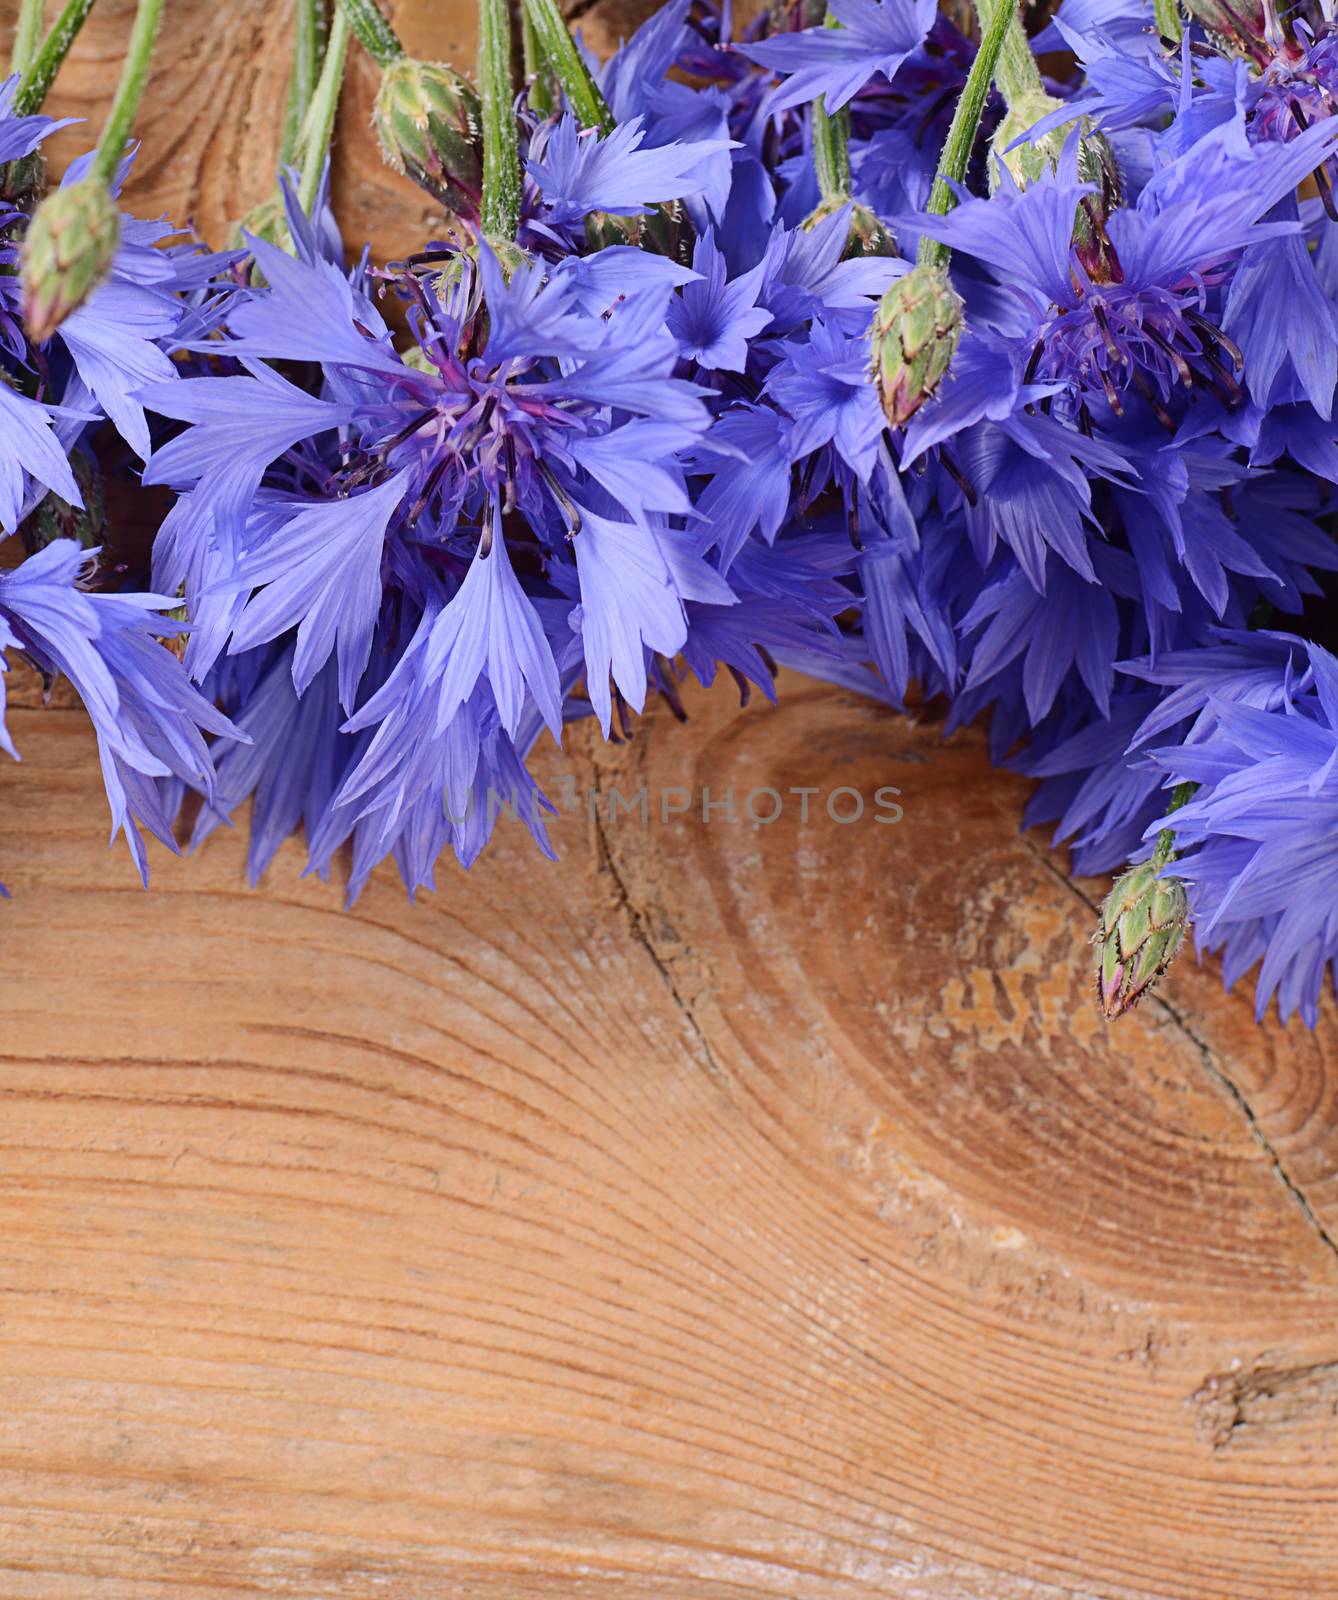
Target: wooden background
(724, 1212)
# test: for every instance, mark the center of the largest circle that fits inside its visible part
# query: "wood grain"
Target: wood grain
(727, 1211)
(214, 107)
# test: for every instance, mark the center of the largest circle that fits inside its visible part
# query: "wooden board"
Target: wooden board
(729, 1210)
(215, 103)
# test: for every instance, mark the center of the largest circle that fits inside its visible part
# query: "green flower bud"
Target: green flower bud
(1244, 27)
(510, 257)
(1097, 166)
(604, 228)
(867, 235)
(55, 518)
(67, 252)
(915, 332)
(441, 279)
(1028, 161)
(428, 119)
(664, 230)
(23, 180)
(1142, 927)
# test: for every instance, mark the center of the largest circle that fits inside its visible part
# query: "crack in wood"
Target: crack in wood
(1215, 1071)
(643, 935)
(1262, 1396)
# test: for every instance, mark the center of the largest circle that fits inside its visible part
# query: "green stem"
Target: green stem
(559, 48)
(1167, 16)
(831, 151)
(42, 70)
(831, 143)
(1016, 72)
(308, 42)
(320, 123)
(27, 33)
(129, 92)
(375, 34)
(542, 95)
(1165, 850)
(500, 213)
(956, 153)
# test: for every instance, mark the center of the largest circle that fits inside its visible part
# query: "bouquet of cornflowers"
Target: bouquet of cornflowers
(891, 345)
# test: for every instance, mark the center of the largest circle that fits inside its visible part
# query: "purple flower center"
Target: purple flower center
(1153, 340)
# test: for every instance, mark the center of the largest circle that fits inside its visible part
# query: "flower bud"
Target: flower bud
(22, 181)
(428, 120)
(1031, 159)
(1097, 166)
(1028, 161)
(866, 235)
(664, 230)
(1142, 926)
(915, 332)
(67, 251)
(604, 228)
(1243, 27)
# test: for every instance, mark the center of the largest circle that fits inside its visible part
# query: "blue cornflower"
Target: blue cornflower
(752, 488)
(822, 384)
(578, 171)
(1064, 623)
(20, 136)
(290, 760)
(463, 518)
(713, 319)
(874, 36)
(1265, 670)
(148, 719)
(1258, 841)
(806, 277)
(319, 570)
(1282, 354)
(1140, 334)
(30, 453)
(1099, 796)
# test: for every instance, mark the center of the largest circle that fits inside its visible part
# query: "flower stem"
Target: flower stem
(559, 49)
(831, 143)
(41, 71)
(320, 121)
(542, 97)
(27, 33)
(1016, 72)
(500, 213)
(375, 34)
(956, 153)
(308, 42)
(831, 151)
(1165, 849)
(129, 92)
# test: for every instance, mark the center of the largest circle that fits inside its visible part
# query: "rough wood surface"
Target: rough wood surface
(727, 1211)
